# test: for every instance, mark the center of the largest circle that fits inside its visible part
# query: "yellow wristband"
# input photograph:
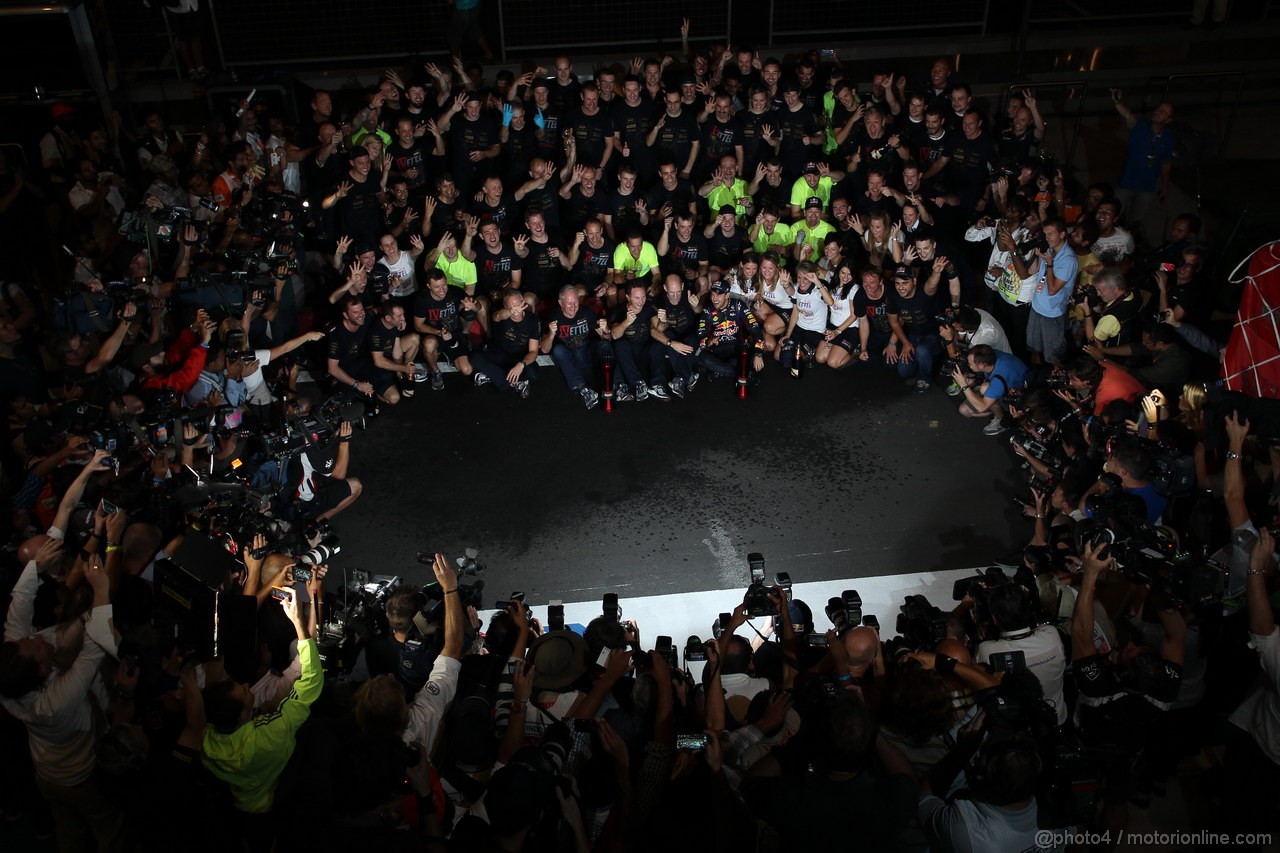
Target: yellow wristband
(111, 548)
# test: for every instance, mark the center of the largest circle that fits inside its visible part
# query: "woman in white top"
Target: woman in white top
(744, 282)
(773, 305)
(882, 241)
(841, 338)
(808, 321)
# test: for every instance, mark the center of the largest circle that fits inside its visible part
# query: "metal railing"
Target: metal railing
(803, 18)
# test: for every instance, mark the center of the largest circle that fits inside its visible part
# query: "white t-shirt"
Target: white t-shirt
(776, 296)
(840, 309)
(813, 310)
(403, 267)
(255, 386)
(1115, 248)
(990, 333)
(1045, 658)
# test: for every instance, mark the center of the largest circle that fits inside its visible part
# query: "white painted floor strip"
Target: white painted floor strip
(681, 615)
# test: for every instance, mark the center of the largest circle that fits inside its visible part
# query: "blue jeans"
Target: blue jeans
(928, 350)
(578, 363)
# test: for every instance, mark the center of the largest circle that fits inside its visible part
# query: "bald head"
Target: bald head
(861, 644)
(27, 550)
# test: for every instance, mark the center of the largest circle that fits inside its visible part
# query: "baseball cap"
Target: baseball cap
(811, 169)
(473, 95)
(687, 77)
(813, 201)
(728, 208)
(903, 271)
(720, 286)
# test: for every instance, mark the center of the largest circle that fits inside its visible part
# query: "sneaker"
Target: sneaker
(922, 385)
(693, 381)
(481, 380)
(622, 393)
(953, 390)
(994, 428)
(523, 388)
(420, 374)
(437, 381)
(677, 387)
(659, 392)
(642, 392)
(589, 398)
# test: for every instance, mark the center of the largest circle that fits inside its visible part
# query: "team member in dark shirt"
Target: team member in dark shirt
(912, 315)
(726, 326)
(676, 133)
(439, 316)
(497, 206)
(632, 337)
(350, 364)
(511, 359)
(592, 129)
(392, 349)
(675, 336)
(589, 260)
(574, 341)
(683, 251)
(971, 155)
(877, 338)
(726, 242)
(497, 264)
(545, 261)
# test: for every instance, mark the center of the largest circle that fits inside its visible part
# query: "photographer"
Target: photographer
(249, 753)
(1054, 275)
(1124, 694)
(1011, 610)
(1112, 319)
(319, 483)
(177, 367)
(56, 706)
(381, 704)
(1103, 382)
(991, 376)
(972, 326)
(1129, 465)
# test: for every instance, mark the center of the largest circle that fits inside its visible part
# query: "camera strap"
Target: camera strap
(94, 315)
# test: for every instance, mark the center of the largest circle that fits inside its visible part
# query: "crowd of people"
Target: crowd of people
(240, 299)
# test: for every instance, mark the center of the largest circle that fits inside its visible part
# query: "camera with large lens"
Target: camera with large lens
(756, 599)
(1034, 243)
(921, 624)
(845, 612)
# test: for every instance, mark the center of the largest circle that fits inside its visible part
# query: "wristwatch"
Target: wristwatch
(1231, 454)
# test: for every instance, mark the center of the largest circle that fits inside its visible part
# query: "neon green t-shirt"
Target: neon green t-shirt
(459, 272)
(802, 192)
(816, 236)
(643, 265)
(723, 195)
(781, 236)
